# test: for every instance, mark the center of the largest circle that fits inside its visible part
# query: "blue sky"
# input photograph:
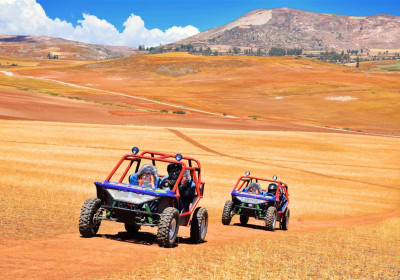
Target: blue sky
(152, 22)
(203, 14)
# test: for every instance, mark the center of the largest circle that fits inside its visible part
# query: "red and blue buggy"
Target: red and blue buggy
(261, 199)
(134, 193)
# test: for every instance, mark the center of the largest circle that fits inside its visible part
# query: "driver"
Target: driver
(186, 185)
(169, 181)
(272, 188)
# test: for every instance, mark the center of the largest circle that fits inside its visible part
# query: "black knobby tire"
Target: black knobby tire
(199, 225)
(270, 219)
(226, 214)
(285, 220)
(89, 223)
(168, 227)
(244, 219)
(132, 228)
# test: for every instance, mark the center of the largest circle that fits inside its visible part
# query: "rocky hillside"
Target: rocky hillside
(42, 46)
(291, 28)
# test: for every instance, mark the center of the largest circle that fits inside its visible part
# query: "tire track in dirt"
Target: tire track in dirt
(11, 74)
(207, 149)
(69, 256)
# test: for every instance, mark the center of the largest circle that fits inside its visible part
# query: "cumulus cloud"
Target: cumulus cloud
(27, 17)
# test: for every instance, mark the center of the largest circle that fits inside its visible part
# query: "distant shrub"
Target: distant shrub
(14, 64)
(179, 112)
(164, 111)
(346, 128)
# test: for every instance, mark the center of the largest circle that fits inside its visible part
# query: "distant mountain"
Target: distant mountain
(41, 46)
(291, 28)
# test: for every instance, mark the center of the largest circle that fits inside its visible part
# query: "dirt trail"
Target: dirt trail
(70, 256)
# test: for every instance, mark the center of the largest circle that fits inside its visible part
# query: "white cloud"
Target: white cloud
(27, 17)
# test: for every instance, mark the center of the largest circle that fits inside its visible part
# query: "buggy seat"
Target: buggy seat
(146, 177)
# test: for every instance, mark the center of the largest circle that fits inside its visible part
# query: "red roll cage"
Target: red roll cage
(188, 163)
(244, 182)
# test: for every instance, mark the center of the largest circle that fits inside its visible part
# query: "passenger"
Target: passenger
(253, 188)
(146, 177)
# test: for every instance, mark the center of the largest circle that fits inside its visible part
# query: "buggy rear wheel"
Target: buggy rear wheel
(89, 222)
(227, 213)
(198, 228)
(168, 227)
(285, 220)
(244, 219)
(132, 228)
(270, 219)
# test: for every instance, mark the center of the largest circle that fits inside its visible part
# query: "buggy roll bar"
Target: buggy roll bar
(247, 179)
(163, 157)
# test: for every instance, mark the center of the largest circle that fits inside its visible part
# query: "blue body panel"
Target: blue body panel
(136, 189)
(256, 196)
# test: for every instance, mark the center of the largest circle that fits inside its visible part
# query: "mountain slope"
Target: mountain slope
(40, 46)
(291, 28)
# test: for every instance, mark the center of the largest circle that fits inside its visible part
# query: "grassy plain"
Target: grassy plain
(345, 191)
(289, 88)
(335, 180)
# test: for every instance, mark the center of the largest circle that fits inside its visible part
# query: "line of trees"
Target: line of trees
(334, 57)
(274, 51)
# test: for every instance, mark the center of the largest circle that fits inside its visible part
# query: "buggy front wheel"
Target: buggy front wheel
(270, 219)
(227, 213)
(89, 219)
(168, 227)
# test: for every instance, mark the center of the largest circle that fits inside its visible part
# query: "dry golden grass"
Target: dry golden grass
(47, 167)
(42, 86)
(362, 252)
(267, 87)
(8, 61)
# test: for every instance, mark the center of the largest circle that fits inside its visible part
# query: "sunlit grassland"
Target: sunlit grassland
(41, 86)
(360, 252)
(48, 169)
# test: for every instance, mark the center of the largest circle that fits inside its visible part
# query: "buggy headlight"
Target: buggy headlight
(178, 157)
(247, 173)
(274, 177)
(135, 150)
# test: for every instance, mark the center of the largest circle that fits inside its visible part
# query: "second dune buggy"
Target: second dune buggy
(261, 199)
(146, 198)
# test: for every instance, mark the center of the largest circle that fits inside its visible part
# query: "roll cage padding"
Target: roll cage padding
(254, 188)
(147, 176)
(148, 169)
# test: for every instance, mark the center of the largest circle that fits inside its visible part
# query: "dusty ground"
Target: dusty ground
(56, 139)
(289, 89)
(337, 174)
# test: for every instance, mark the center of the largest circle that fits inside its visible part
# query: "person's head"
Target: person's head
(174, 169)
(272, 188)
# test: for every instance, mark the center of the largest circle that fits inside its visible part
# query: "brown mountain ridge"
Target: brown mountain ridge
(292, 28)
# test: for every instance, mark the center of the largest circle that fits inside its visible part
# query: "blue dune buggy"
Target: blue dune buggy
(250, 199)
(146, 198)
